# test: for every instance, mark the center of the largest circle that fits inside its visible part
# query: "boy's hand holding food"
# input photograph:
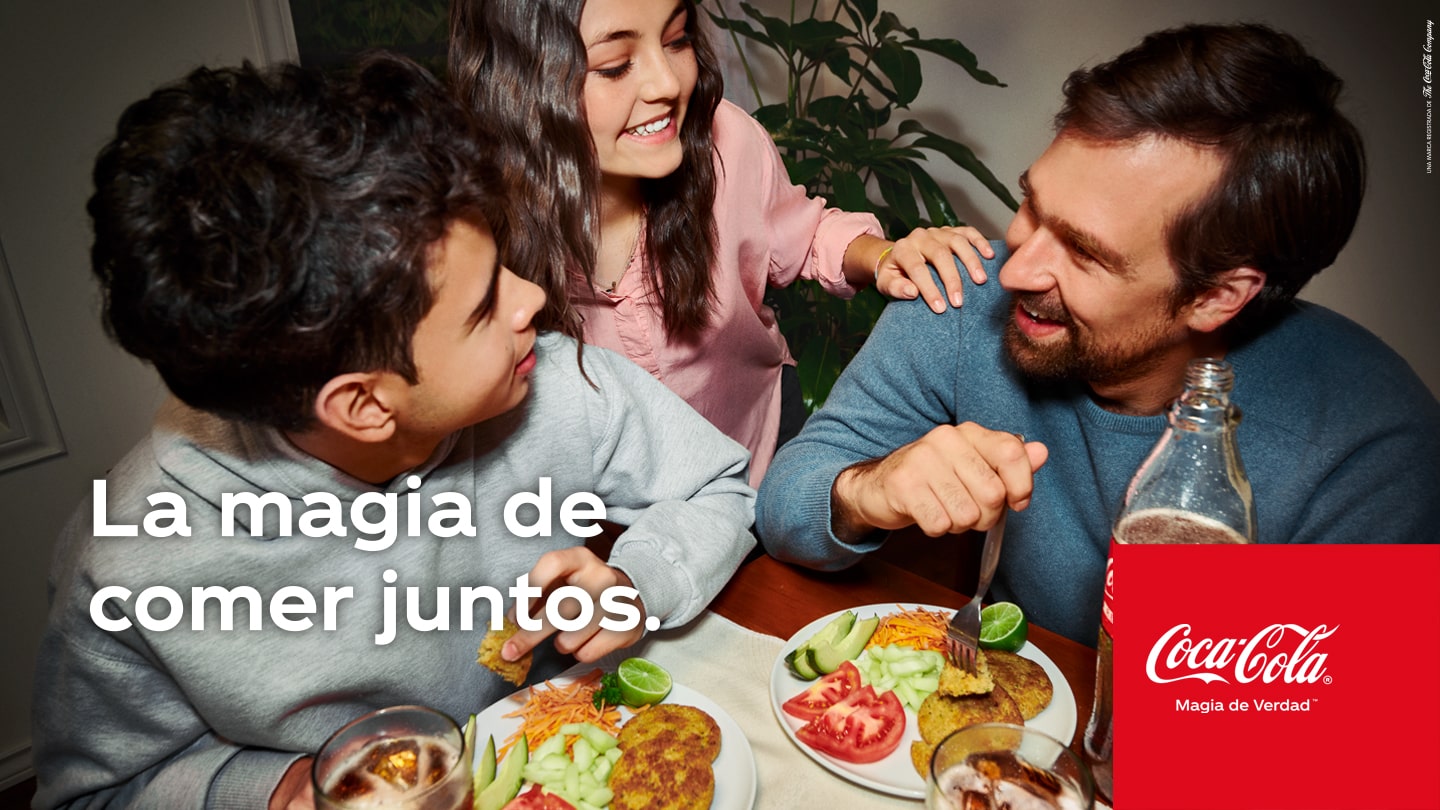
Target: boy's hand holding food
(578, 567)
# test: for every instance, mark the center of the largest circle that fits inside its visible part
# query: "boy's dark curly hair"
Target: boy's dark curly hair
(258, 233)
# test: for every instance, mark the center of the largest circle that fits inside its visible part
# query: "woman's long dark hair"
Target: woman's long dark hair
(521, 66)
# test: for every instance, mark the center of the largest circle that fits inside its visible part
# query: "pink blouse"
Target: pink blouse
(769, 233)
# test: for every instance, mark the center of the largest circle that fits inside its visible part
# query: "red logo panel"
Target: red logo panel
(1281, 677)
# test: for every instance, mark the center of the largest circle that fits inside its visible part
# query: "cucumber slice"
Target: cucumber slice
(827, 657)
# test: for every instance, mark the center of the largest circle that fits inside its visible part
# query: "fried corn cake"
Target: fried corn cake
(941, 714)
(665, 767)
(693, 727)
(489, 655)
(1024, 679)
(920, 754)
(956, 682)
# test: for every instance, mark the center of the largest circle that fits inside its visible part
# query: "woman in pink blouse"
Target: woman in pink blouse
(655, 214)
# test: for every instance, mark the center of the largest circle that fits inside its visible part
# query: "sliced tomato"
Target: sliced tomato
(824, 693)
(864, 727)
(537, 799)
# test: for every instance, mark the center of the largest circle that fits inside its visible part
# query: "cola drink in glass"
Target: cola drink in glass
(999, 766)
(404, 758)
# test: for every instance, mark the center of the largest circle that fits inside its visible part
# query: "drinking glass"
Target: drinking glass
(400, 758)
(994, 765)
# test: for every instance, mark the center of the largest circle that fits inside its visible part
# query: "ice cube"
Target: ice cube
(975, 800)
(395, 761)
(1020, 796)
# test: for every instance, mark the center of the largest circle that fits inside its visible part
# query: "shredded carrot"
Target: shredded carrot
(918, 629)
(550, 707)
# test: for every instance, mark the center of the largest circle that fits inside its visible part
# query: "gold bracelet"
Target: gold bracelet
(881, 260)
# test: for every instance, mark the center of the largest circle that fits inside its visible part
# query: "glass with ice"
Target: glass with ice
(400, 758)
(998, 766)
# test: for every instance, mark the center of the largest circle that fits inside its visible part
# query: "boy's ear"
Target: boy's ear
(1218, 305)
(357, 405)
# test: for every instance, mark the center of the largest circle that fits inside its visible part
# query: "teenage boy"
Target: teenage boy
(307, 262)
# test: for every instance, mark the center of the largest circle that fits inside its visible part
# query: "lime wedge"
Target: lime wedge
(1003, 627)
(642, 682)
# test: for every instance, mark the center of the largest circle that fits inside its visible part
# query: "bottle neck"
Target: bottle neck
(1205, 403)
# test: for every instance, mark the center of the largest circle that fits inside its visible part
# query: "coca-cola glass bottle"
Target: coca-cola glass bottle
(1190, 489)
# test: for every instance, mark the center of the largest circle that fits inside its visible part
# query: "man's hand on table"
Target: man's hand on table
(579, 567)
(953, 479)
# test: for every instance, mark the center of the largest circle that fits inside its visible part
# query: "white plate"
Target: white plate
(895, 774)
(735, 777)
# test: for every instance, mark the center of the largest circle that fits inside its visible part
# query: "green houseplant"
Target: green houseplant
(851, 148)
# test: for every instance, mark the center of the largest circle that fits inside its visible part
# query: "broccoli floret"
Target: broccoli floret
(609, 691)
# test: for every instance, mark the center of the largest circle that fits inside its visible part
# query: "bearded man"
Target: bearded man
(1196, 183)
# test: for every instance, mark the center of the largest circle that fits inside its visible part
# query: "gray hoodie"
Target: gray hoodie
(212, 717)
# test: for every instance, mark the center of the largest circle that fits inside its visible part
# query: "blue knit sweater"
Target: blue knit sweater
(1340, 439)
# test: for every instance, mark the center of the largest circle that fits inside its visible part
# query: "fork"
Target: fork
(962, 636)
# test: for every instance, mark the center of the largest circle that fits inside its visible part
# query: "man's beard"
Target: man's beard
(1080, 357)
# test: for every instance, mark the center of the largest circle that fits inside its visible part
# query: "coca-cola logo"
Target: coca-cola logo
(1280, 652)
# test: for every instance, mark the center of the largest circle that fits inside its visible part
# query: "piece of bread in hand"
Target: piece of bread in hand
(513, 671)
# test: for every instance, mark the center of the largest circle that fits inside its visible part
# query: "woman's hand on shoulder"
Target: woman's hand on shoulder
(903, 270)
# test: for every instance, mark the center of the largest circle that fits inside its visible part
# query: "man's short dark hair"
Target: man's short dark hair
(258, 233)
(1294, 166)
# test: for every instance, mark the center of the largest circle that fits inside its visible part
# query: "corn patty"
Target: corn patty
(1024, 679)
(489, 656)
(955, 681)
(920, 754)
(665, 771)
(941, 714)
(696, 729)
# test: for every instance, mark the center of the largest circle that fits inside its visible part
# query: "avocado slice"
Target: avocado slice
(484, 767)
(828, 657)
(799, 661)
(507, 780)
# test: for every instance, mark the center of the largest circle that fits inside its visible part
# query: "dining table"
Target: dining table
(729, 653)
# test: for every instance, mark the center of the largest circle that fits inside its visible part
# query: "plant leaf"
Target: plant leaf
(902, 68)
(849, 192)
(889, 23)
(965, 158)
(742, 28)
(936, 203)
(803, 171)
(840, 64)
(956, 52)
(828, 111)
(895, 188)
(773, 117)
(815, 34)
(778, 29)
